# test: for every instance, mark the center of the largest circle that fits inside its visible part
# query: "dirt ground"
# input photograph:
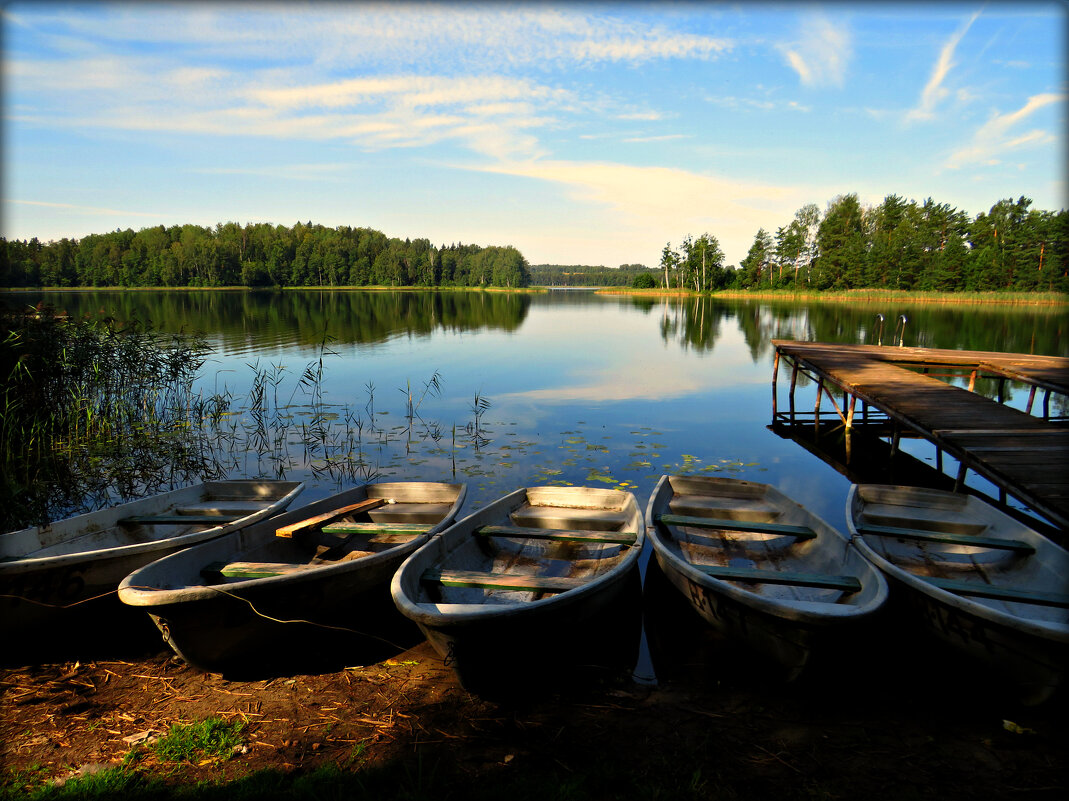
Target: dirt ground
(892, 723)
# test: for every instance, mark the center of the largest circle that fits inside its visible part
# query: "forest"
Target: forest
(586, 275)
(898, 244)
(255, 255)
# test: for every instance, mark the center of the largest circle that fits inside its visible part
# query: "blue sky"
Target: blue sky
(579, 133)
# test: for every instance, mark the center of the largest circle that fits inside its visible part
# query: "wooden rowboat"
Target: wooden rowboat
(985, 583)
(293, 585)
(760, 568)
(507, 593)
(48, 572)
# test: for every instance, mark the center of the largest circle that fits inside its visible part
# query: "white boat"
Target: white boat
(512, 592)
(47, 573)
(297, 587)
(985, 583)
(760, 568)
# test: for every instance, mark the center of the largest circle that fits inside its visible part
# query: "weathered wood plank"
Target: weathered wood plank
(990, 438)
(724, 524)
(317, 521)
(559, 535)
(251, 569)
(948, 538)
(844, 583)
(344, 527)
(501, 581)
(178, 520)
(996, 592)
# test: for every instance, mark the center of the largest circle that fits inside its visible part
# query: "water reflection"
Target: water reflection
(584, 388)
(270, 321)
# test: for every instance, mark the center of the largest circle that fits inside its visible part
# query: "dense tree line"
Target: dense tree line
(256, 255)
(586, 275)
(898, 244)
(910, 245)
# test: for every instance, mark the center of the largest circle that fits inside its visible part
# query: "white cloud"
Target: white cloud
(664, 204)
(822, 54)
(934, 92)
(996, 136)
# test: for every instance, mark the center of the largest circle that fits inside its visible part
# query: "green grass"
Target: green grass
(195, 741)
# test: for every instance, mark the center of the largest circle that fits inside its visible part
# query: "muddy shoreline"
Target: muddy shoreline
(883, 721)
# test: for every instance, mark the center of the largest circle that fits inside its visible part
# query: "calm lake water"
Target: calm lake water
(513, 390)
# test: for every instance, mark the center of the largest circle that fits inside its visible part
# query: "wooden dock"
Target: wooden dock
(1024, 453)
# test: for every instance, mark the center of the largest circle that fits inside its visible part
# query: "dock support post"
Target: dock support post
(1031, 399)
(794, 383)
(816, 409)
(775, 376)
(959, 482)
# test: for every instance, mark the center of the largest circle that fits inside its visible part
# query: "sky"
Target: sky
(591, 133)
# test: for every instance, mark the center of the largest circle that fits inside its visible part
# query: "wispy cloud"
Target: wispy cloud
(83, 209)
(661, 138)
(996, 136)
(822, 53)
(934, 91)
(745, 103)
(332, 173)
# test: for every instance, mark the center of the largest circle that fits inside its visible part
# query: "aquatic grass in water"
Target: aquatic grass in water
(144, 421)
(87, 405)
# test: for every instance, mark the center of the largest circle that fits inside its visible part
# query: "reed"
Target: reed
(94, 413)
(86, 404)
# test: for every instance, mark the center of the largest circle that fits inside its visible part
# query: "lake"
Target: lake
(517, 389)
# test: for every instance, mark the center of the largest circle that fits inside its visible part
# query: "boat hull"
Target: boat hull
(784, 625)
(500, 647)
(69, 571)
(300, 620)
(788, 643)
(1026, 645)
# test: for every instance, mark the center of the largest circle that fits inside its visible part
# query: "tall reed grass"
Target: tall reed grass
(94, 412)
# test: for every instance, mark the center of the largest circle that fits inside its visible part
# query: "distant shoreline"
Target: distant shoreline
(847, 296)
(12, 289)
(865, 295)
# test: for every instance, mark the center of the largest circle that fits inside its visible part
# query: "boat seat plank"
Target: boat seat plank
(178, 520)
(999, 593)
(251, 569)
(220, 507)
(947, 537)
(317, 521)
(844, 583)
(610, 537)
(799, 532)
(565, 517)
(753, 509)
(343, 527)
(500, 581)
